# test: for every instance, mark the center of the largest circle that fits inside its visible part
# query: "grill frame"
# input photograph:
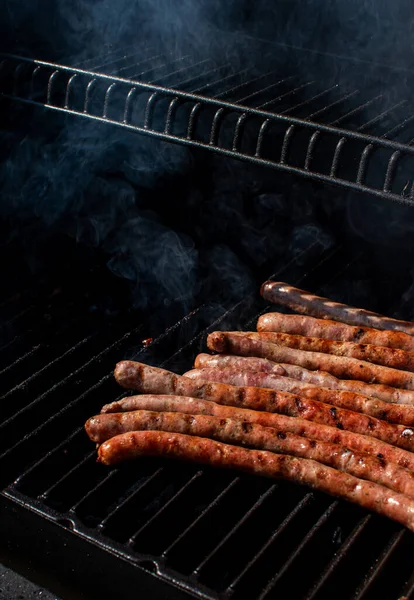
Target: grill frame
(368, 148)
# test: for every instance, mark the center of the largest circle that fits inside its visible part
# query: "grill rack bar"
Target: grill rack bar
(268, 124)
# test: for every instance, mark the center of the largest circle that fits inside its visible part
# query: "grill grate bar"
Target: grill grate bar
(339, 556)
(380, 563)
(157, 68)
(285, 523)
(43, 369)
(356, 110)
(381, 115)
(166, 76)
(273, 582)
(201, 516)
(240, 86)
(39, 462)
(173, 498)
(213, 83)
(320, 112)
(309, 100)
(103, 524)
(289, 93)
(90, 456)
(233, 530)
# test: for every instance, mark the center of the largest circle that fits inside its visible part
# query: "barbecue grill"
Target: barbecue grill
(173, 530)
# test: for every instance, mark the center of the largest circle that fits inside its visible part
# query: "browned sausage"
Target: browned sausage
(333, 330)
(388, 357)
(370, 495)
(319, 378)
(309, 429)
(403, 415)
(150, 380)
(309, 304)
(346, 368)
(233, 431)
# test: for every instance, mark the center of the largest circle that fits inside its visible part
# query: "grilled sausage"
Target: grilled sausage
(370, 495)
(347, 368)
(388, 357)
(332, 330)
(309, 304)
(150, 380)
(375, 408)
(233, 431)
(309, 429)
(319, 378)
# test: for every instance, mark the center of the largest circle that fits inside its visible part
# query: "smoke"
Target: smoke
(176, 223)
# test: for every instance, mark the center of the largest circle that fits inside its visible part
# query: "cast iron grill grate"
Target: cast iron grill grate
(357, 138)
(212, 533)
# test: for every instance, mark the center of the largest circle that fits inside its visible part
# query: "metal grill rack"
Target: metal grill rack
(209, 533)
(354, 138)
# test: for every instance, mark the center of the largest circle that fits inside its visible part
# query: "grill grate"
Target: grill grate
(209, 532)
(280, 121)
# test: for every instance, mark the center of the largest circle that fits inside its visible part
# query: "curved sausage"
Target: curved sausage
(372, 496)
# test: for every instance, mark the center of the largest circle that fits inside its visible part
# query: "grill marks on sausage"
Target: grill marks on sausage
(127, 446)
(256, 436)
(343, 399)
(348, 368)
(388, 357)
(305, 303)
(333, 330)
(318, 378)
(297, 425)
(152, 380)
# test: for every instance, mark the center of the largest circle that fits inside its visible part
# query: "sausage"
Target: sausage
(388, 357)
(347, 368)
(375, 408)
(319, 378)
(332, 330)
(309, 429)
(233, 431)
(323, 308)
(372, 496)
(150, 380)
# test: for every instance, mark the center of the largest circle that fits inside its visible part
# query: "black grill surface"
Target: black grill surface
(200, 532)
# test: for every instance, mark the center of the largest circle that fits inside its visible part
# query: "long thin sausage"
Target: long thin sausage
(259, 462)
(319, 378)
(233, 431)
(309, 304)
(333, 330)
(379, 355)
(403, 415)
(346, 368)
(309, 429)
(147, 379)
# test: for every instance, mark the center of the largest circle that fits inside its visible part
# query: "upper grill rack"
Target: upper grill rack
(284, 123)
